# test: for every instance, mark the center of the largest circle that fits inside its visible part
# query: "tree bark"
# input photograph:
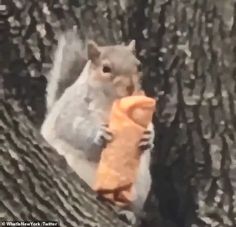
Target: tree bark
(192, 63)
(36, 183)
(187, 48)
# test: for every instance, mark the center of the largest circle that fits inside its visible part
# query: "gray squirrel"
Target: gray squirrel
(84, 81)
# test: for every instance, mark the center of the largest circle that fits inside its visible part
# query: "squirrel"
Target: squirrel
(84, 81)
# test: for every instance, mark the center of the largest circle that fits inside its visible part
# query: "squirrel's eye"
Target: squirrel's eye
(106, 69)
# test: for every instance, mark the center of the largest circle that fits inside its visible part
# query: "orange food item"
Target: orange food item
(119, 162)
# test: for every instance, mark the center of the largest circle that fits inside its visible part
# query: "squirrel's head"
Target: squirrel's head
(115, 68)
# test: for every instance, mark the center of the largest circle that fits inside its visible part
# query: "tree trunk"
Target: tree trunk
(188, 52)
(192, 63)
(36, 183)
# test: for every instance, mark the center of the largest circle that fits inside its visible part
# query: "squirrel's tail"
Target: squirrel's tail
(69, 61)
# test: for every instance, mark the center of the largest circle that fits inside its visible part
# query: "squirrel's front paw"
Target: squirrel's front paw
(104, 135)
(128, 217)
(146, 142)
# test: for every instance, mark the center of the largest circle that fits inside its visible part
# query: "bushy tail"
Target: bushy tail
(69, 60)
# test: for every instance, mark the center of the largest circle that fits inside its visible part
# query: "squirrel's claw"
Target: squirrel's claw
(104, 135)
(146, 142)
(127, 216)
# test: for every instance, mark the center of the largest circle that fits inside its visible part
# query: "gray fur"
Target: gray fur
(75, 116)
(120, 58)
(69, 61)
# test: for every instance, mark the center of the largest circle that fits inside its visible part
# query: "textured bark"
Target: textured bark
(188, 52)
(195, 166)
(37, 184)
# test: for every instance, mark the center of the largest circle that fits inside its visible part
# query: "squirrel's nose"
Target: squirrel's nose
(130, 89)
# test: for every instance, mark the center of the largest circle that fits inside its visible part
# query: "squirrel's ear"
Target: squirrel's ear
(93, 50)
(131, 46)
